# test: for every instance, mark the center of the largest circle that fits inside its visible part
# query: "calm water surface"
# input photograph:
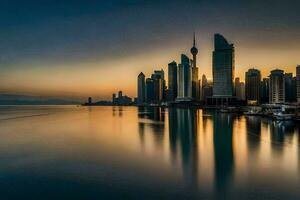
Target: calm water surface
(68, 152)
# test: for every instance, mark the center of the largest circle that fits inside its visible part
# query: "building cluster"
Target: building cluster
(183, 82)
(184, 86)
(121, 99)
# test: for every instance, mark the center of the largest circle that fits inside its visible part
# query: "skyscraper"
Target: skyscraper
(236, 85)
(298, 83)
(242, 93)
(207, 91)
(158, 78)
(294, 89)
(288, 81)
(172, 81)
(149, 90)
(195, 81)
(120, 94)
(239, 89)
(113, 97)
(252, 90)
(204, 83)
(184, 80)
(264, 90)
(141, 88)
(277, 86)
(223, 67)
(204, 80)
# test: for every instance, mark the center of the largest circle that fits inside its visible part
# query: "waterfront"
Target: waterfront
(69, 152)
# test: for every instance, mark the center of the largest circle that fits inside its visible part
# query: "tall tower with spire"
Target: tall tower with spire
(194, 52)
(195, 81)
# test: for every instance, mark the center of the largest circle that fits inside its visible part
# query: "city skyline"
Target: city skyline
(72, 63)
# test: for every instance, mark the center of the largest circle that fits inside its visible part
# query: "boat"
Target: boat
(286, 113)
(254, 111)
(230, 110)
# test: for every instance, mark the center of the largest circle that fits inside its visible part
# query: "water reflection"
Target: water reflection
(224, 159)
(153, 153)
(240, 147)
(183, 142)
(152, 118)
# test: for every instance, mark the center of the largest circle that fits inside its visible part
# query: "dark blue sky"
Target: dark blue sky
(37, 37)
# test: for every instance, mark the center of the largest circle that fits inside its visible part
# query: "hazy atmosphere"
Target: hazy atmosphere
(94, 48)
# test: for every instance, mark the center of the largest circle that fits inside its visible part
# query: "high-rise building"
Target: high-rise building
(242, 92)
(204, 83)
(288, 84)
(113, 97)
(204, 80)
(120, 94)
(239, 89)
(184, 80)
(90, 100)
(298, 83)
(207, 91)
(277, 86)
(172, 81)
(252, 89)
(121, 99)
(223, 67)
(236, 85)
(294, 89)
(150, 90)
(264, 90)
(141, 90)
(158, 78)
(195, 71)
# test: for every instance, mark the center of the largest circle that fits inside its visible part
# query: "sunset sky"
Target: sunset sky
(94, 48)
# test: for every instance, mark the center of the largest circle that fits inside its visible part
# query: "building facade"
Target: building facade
(149, 90)
(184, 80)
(288, 84)
(264, 90)
(223, 67)
(277, 86)
(172, 81)
(141, 89)
(158, 78)
(239, 89)
(298, 83)
(252, 88)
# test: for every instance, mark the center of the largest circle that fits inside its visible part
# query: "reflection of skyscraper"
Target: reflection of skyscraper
(184, 80)
(195, 81)
(141, 88)
(183, 140)
(253, 78)
(223, 153)
(172, 81)
(253, 125)
(277, 86)
(155, 115)
(223, 67)
(281, 131)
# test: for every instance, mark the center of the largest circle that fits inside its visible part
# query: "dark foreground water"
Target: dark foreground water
(68, 152)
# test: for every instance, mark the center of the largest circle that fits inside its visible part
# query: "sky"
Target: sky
(76, 49)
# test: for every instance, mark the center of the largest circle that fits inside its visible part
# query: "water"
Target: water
(69, 152)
